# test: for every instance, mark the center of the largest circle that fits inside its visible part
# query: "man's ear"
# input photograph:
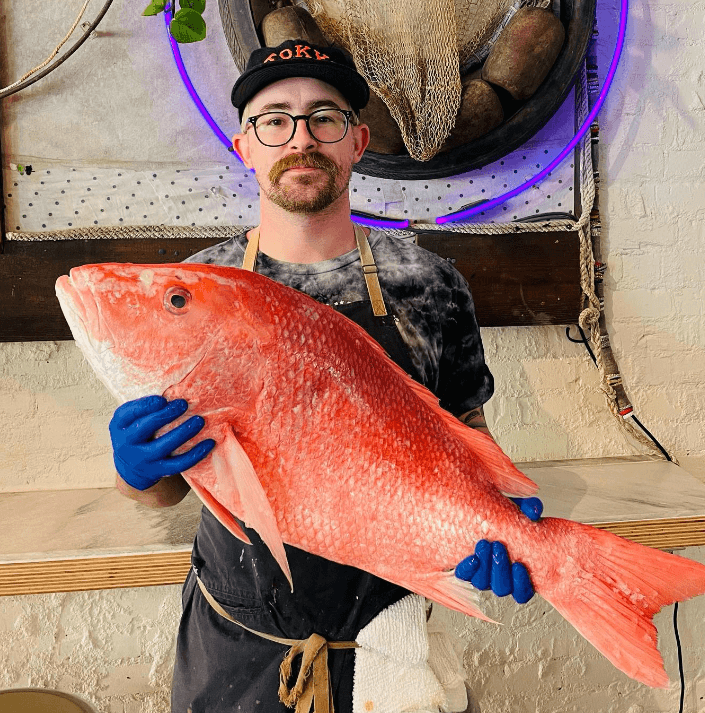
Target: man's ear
(241, 144)
(361, 135)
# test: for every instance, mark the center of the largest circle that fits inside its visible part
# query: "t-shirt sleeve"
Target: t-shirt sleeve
(228, 253)
(464, 380)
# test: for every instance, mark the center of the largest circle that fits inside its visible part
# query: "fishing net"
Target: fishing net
(410, 52)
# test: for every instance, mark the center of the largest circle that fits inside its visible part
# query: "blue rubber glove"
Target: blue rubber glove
(142, 460)
(490, 567)
(531, 507)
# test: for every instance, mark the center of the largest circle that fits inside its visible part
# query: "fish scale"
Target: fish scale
(322, 442)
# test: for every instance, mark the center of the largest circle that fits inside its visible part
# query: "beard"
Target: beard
(303, 195)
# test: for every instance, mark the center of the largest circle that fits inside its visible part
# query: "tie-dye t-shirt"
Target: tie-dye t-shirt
(430, 298)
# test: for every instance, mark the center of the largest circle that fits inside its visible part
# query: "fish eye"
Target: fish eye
(177, 300)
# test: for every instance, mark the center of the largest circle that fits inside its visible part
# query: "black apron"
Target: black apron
(222, 668)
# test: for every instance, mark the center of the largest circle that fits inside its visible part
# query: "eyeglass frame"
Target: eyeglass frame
(350, 118)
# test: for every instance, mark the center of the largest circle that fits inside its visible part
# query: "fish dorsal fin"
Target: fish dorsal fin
(233, 466)
(499, 467)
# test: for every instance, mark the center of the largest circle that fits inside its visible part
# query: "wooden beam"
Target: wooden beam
(517, 279)
(520, 279)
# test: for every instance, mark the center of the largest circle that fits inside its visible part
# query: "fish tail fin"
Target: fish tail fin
(610, 589)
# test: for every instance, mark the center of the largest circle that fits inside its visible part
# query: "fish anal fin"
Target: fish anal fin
(233, 467)
(446, 589)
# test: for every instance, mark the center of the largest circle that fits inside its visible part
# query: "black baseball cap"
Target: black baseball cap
(298, 58)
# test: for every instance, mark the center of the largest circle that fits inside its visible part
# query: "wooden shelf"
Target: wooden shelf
(74, 540)
(646, 500)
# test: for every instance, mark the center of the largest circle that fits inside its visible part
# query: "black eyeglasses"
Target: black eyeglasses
(276, 128)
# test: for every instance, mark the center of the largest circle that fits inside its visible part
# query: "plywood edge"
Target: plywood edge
(667, 534)
(93, 573)
(579, 462)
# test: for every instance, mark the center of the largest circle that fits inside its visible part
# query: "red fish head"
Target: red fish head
(145, 328)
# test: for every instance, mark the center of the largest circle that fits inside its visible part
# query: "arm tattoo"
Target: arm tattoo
(474, 418)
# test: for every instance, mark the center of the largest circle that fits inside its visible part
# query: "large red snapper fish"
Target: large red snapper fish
(326, 444)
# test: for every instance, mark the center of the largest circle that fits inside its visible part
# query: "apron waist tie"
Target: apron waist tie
(311, 690)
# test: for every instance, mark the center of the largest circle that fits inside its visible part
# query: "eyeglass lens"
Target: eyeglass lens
(277, 128)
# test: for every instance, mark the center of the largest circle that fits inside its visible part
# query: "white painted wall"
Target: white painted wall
(114, 103)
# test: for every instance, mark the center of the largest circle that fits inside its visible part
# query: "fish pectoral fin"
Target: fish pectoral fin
(222, 514)
(233, 465)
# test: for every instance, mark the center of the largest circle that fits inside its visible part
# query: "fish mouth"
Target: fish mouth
(71, 304)
(93, 338)
(82, 313)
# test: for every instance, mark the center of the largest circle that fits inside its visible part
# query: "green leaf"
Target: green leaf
(155, 7)
(197, 5)
(188, 26)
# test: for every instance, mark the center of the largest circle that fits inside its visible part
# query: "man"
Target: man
(301, 135)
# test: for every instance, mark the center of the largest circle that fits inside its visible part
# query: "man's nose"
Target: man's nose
(302, 139)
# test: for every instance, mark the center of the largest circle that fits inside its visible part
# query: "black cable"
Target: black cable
(652, 437)
(680, 655)
(584, 341)
(36, 77)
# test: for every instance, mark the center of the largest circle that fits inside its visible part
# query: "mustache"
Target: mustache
(307, 160)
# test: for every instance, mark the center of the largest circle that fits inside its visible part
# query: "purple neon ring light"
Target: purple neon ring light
(189, 85)
(492, 203)
(450, 217)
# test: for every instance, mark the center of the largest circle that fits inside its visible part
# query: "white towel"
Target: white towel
(397, 667)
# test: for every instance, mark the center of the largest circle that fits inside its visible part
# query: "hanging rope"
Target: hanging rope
(130, 232)
(592, 318)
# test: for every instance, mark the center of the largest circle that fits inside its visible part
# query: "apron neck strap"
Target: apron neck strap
(248, 262)
(369, 268)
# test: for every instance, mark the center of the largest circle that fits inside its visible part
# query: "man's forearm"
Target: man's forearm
(475, 418)
(166, 492)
